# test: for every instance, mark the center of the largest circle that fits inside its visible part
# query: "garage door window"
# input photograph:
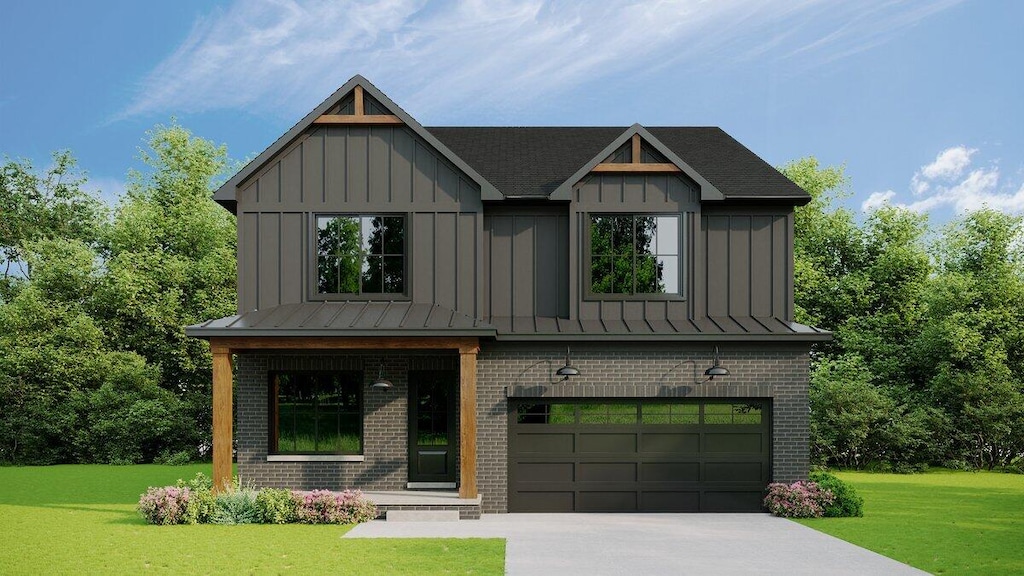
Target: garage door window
(608, 413)
(732, 414)
(546, 414)
(671, 413)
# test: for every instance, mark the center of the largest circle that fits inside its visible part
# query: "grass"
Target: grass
(943, 522)
(82, 519)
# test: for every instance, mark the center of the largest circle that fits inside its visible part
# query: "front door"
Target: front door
(432, 438)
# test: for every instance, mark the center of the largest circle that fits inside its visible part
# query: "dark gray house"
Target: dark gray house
(552, 319)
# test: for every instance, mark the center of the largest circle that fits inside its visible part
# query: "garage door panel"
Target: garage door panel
(731, 501)
(734, 443)
(673, 443)
(670, 501)
(670, 471)
(732, 472)
(545, 443)
(545, 501)
(607, 442)
(607, 472)
(545, 472)
(606, 501)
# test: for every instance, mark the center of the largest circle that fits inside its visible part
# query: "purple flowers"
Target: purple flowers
(800, 499)
(165, 505)
(326, 507)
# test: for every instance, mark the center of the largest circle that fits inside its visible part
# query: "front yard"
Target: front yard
(941, 521)
(82, 519)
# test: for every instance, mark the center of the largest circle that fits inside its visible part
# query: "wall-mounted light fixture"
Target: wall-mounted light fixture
(381, 383)
(717, 369)
(568, 370)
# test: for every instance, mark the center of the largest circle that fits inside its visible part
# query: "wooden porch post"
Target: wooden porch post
(467, 422)
(222, 382)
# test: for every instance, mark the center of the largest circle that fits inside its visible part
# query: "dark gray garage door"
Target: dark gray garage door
(640, 455)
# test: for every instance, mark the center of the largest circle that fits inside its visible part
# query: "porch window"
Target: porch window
(634, 254)
(360, 254)
(316, 412)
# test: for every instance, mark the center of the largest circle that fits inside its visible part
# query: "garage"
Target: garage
(649, 455)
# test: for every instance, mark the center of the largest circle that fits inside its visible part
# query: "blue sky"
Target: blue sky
(922, 101)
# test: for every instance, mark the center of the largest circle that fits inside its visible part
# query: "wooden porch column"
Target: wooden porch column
(467, 422)
(222, 382)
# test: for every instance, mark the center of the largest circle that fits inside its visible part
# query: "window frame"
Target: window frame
(587, 258)
(273, 432)
(314, 260)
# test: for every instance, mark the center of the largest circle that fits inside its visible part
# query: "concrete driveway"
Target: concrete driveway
(642, 544)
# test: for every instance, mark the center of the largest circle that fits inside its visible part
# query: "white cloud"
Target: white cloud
(877, 200)
(284, 55)
(949, 164)
(943, 183)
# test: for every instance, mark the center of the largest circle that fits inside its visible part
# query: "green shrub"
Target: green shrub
(236, 506)
(201, 503)
(845, 503)
(174, 458)
(276, 506)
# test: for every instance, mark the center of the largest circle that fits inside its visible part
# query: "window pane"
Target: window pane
(601, 235)
(668, 236)
(394, 274)
(648, 275)
(608, 413)
(668, 274)
(669, 413)
(601, 274)
(546, 414)
(622, 276)
(373, 275)
(318, 413)
(394, 235)
(622, 234)
(644, 239)
(732, 414)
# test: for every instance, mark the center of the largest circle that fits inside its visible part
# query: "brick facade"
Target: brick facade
(776, 371)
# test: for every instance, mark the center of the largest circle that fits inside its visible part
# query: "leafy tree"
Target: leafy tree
(170, 262)
(971, 346)
(37, 206)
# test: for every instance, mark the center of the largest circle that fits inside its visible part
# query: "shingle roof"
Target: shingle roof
(533, 161)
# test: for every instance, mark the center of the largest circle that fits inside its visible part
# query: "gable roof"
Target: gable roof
(533, 162)
(225, 195)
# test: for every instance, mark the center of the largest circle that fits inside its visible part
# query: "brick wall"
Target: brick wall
(778, 372)
(385, 420)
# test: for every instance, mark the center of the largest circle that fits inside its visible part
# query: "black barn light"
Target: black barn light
(381, 383)
(717, 369)
(567, 370)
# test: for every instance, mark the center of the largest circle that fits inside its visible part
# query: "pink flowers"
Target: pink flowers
(166, 505)
(801, 499)
(326, 507)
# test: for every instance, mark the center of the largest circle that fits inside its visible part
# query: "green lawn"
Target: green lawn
(943, 522)
(82, 519)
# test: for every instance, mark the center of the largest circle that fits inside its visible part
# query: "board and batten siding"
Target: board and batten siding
(746, 265)
(359, 170)
(632, 193)
(526, 262)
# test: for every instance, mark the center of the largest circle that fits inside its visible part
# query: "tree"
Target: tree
(38, 206)
(170, 262)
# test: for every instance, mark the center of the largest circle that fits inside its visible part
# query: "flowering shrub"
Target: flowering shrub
(797, 500)
(193, 502)
(165, 505)
(326, 507)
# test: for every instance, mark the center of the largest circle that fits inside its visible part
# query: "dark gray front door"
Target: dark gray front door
(432, 416)
(651, 455)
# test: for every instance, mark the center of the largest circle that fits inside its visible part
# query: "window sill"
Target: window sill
(315, 458)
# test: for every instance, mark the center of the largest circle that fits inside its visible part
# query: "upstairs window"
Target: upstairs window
(360, 254)
(634, 254)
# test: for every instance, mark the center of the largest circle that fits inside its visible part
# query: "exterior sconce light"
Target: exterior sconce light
(717, 369)
(568, 370)
(381, 383)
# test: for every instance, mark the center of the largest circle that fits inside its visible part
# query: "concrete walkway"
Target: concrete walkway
(652, 544)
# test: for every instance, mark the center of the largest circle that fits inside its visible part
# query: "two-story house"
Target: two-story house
(552, 319)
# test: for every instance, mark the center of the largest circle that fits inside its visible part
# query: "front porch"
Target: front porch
(385, 461)
(422, 501)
